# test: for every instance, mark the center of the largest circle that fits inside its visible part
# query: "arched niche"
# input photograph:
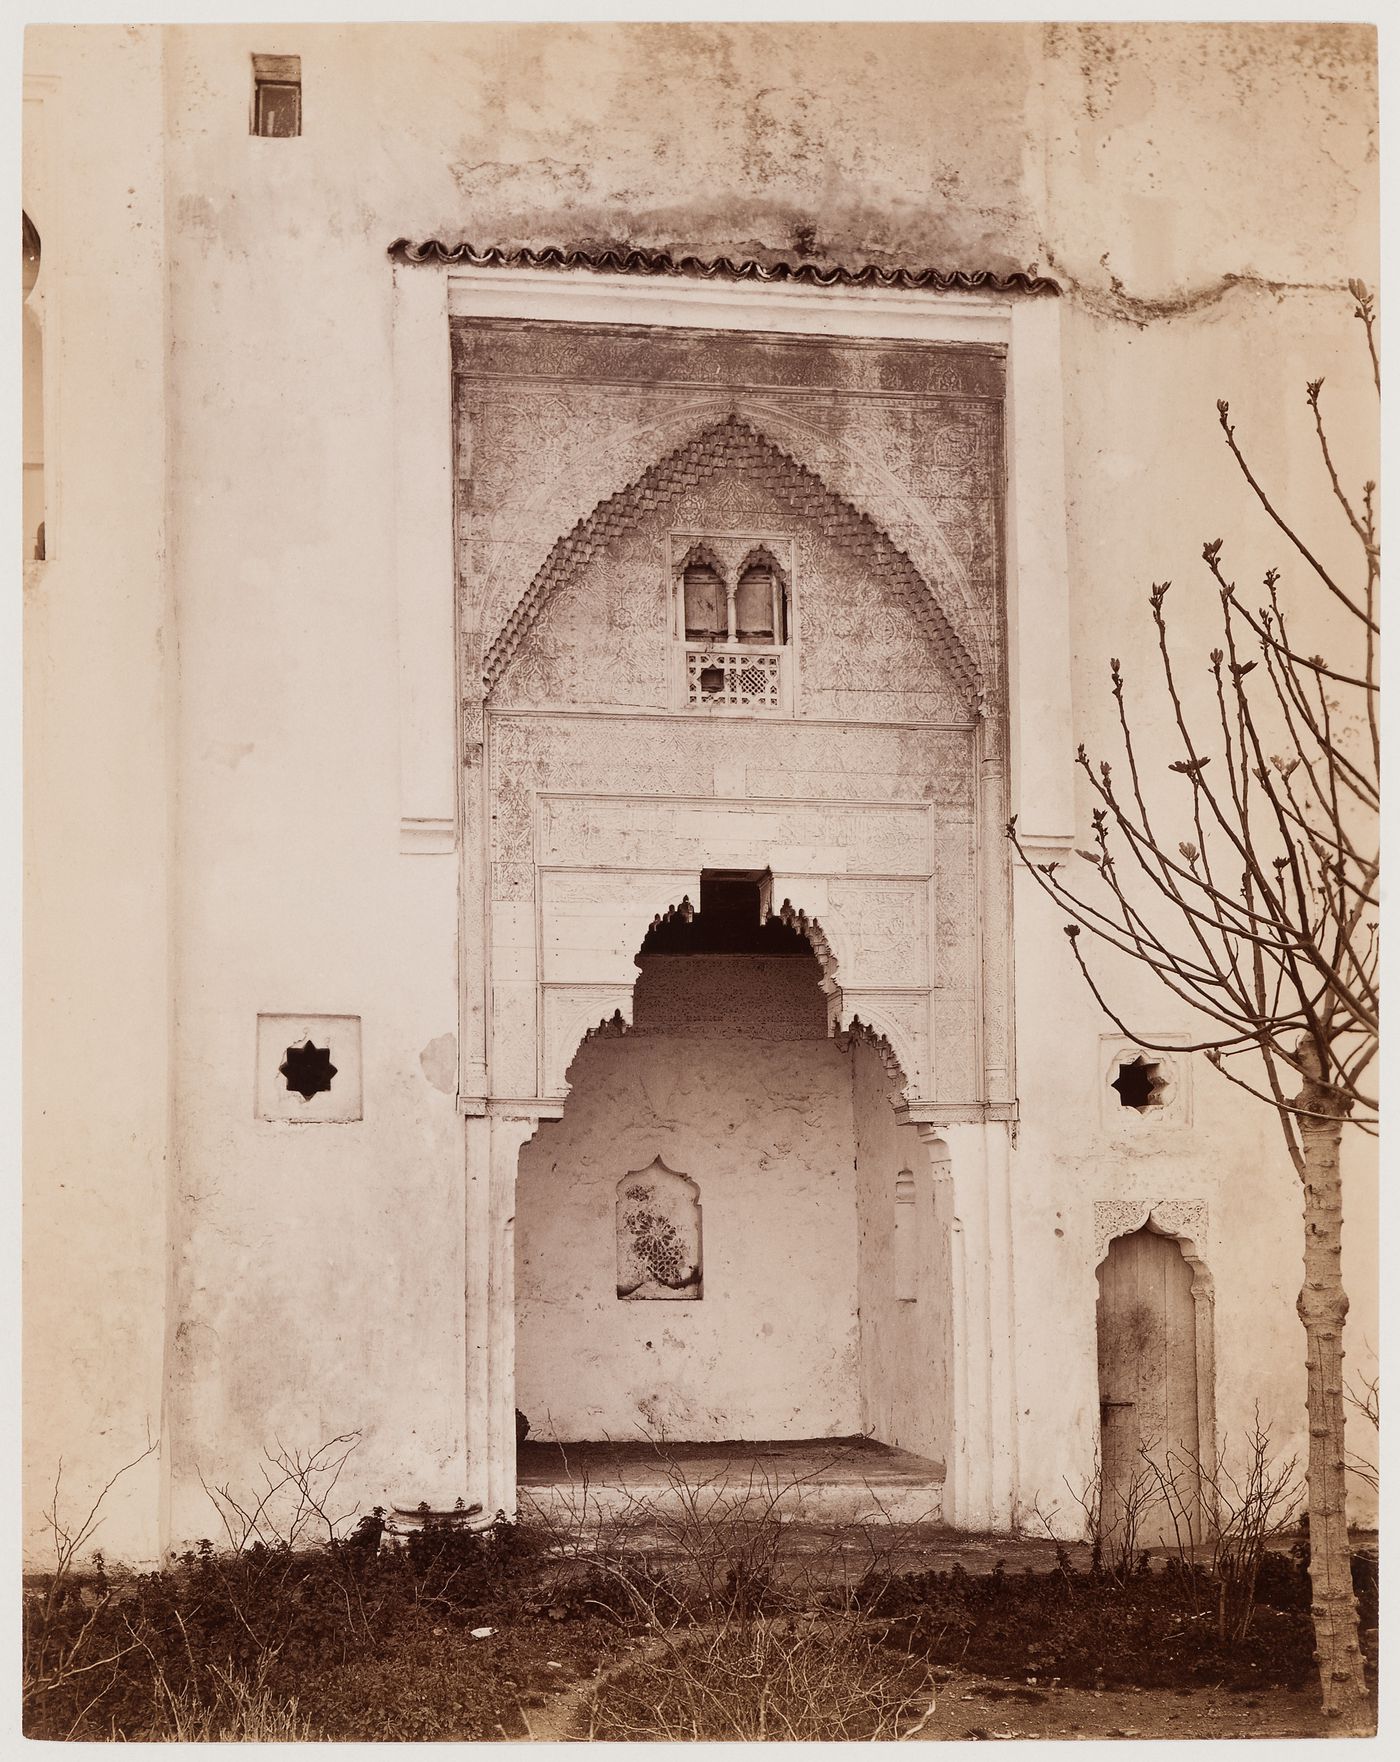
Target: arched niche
(659, 1248)
(795, 1142)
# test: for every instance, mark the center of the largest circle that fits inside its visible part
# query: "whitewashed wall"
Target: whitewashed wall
(764, 1128)
(905, 1286)
(100, 758)
(225, 307)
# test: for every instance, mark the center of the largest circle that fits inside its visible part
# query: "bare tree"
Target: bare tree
(1263, 919)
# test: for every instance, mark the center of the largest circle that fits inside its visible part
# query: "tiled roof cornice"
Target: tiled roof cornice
(640, 262)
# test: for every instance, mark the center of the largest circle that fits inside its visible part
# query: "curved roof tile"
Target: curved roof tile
(635, 261)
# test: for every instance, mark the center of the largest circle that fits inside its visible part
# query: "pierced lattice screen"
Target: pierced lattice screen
(717, 676)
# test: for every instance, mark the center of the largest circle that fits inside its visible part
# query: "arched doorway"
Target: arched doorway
(706, 1240)
(1150, 1407)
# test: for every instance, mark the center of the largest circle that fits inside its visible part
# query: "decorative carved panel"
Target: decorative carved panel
(902, 1019)
(885, 923)
(729, 997)
(589, 831)
(571, 1014)
(658, 1235)
(594, 622)
(513, 1022)
(1185, 1219)
(590, 458)
(673, 757)
(594, 923)
(552, 421)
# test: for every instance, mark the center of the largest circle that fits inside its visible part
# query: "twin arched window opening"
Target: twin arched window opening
(733, 624)
(750, 608)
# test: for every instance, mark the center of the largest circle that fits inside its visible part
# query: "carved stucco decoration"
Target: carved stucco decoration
(871, 626)
(862, 1033)
(817, 939)
(895, 1025)
(724, 997)
(558, 783)
(1184, 1219)
(886, 925)
(658, 1215)
(575, 1016)
(553, 418)
(573, 1012)
(868, 816)
(879, 776)
(951, 540)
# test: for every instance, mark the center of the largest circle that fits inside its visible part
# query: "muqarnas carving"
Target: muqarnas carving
(658, 1236)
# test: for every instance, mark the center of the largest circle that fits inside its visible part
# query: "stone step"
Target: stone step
(831, 1503)
(829, 1481)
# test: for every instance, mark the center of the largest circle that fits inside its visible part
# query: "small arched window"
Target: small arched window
(732, 622)
(33, 394)
(757, 614)
(706, 608)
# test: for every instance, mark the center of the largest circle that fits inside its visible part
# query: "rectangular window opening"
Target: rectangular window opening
(277, 96)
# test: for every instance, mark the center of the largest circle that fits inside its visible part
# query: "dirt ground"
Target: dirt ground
(976, 1707)
(971, 1706)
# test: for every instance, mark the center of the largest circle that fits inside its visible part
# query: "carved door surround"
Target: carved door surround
(446, 807)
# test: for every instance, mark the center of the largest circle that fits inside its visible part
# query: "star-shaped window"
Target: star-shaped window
(1140, 1083)
(308, 1069)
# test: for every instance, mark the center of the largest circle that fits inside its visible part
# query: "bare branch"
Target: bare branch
(1283, 526)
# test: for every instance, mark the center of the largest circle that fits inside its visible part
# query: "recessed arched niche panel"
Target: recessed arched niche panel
(593, 625)
(730, 646)
(658, 1236)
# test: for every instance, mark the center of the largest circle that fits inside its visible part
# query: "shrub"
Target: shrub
(162, 1651)
(757, 1679)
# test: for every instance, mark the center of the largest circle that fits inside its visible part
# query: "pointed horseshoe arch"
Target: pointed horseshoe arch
(609, 1015)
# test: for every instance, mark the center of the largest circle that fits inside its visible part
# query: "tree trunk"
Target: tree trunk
(1322, 1306)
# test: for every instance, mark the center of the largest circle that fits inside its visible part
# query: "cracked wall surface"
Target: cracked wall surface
(763, 1128)
(211, 710)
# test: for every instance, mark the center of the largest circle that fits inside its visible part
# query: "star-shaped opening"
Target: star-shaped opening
(308, 1069)
(1140, 1083)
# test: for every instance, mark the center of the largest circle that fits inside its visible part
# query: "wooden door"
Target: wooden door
(1148, 1411)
